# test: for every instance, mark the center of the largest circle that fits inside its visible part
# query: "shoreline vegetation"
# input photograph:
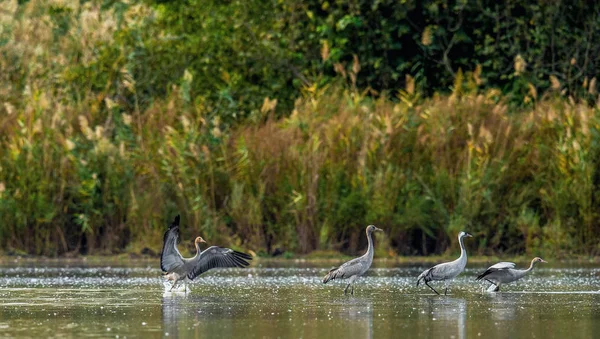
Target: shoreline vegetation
(110, 126)
(313, 260)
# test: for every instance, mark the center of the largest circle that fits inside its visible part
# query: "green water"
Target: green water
(290, 302)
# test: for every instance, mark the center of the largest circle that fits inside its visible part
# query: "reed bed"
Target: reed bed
(85, 167)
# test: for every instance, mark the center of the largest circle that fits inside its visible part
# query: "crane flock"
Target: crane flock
(177, 269)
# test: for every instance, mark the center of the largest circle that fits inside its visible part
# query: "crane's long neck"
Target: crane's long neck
(531, 266)
(463, 251)
(198, 250)
(370, 249)
(522, 273)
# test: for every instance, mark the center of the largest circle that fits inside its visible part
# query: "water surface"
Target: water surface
(287, 300)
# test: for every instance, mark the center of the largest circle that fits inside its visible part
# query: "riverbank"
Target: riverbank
(153, 261)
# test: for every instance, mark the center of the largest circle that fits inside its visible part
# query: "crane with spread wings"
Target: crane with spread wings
(177, 268)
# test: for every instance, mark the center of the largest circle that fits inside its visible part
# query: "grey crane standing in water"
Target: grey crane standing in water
(504, 273)
(177, 268)
(446, 271)
(355, 267)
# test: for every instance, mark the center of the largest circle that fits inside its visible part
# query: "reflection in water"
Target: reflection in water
(184, 313)
(287, 303)
(172, 313)
(503, 306)
(360, 317)
(445, 315)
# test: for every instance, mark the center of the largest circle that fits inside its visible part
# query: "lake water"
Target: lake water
(275, 300)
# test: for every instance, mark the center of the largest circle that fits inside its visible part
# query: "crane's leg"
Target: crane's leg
(433, 289)
(346, 289)
(175, 283)
(493, 284)
(446, 284)
(351, 283)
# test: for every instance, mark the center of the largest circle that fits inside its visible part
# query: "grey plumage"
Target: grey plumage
(504, 273)
(170, 257)
(446, 271)
(355, 267)
(177, 268)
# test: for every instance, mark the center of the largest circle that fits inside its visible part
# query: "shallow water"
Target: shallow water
(270, 301)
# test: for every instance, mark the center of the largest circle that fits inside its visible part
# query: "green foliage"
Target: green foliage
(243, 51)
(251, 119)
(235, 51)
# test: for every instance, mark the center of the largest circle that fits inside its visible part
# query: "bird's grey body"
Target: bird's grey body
(356, 267)
(177, 268)
(504, 273)
(446, 271)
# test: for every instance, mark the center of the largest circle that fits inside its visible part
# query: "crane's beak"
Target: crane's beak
(467, 235)
(542, 260)
(377, 229)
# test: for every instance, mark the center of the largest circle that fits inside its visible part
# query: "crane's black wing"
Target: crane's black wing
(170, 258)
(497, 267)
(216, 256)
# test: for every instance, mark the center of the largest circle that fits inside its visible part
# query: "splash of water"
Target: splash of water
(181, 288)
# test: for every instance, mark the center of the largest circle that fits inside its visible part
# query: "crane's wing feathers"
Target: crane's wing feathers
(424, 276)
(214, 257)
(447, 270)
(429, 274)
(347, 269)
(504, 265)
(170, 258)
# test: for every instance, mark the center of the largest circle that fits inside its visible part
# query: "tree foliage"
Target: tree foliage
(241, 51)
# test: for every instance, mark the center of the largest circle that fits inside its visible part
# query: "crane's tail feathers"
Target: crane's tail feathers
(331, 275)
(424, 276)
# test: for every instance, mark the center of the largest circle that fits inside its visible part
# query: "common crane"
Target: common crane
(177, 268)
(504, 273)
(446, 271)
(355, 267)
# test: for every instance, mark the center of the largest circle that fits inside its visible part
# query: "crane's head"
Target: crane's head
(372, 228)
(537, 260)
(199, 240)
(464, 235)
